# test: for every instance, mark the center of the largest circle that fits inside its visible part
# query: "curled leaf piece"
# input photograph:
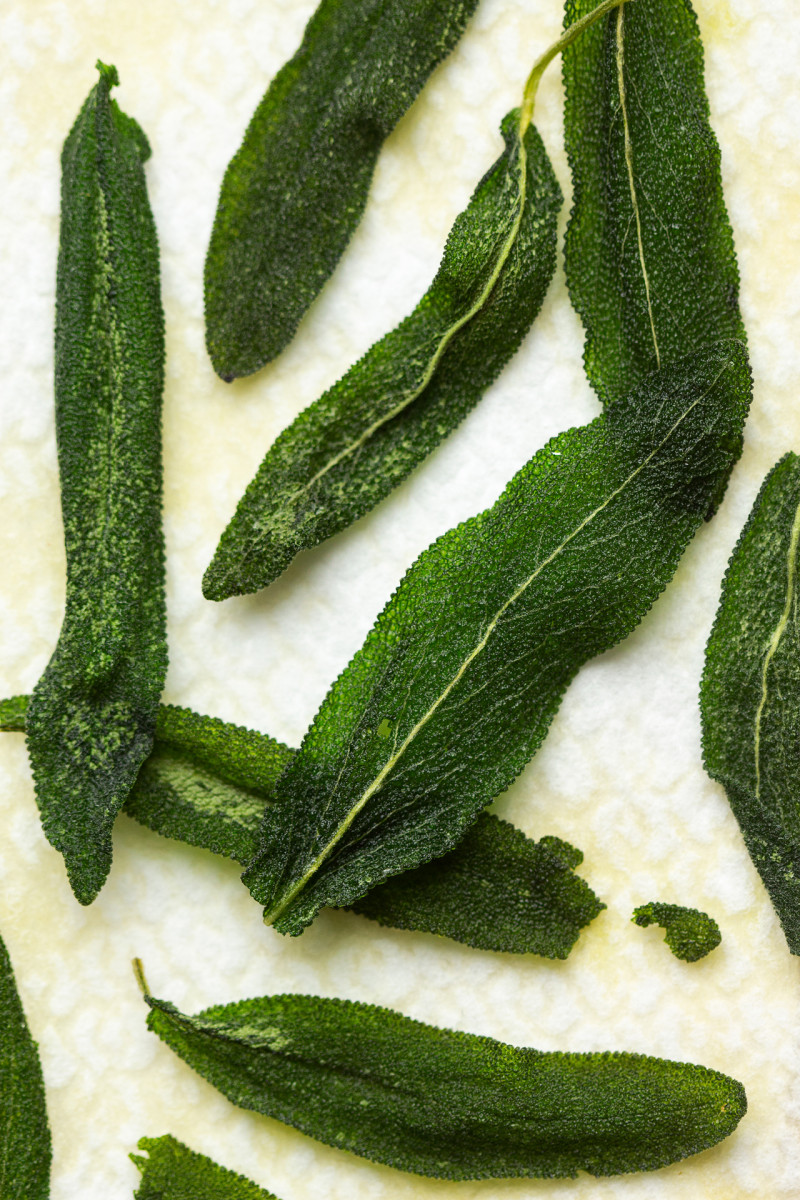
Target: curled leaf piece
(92, 715)
(689, 933)
(445, 1104)
(750, 691)
(207, 783)
(649, 256)
(350, 448)
(25, 1147)
(458, 681)
(174, 1172)
(295, 190)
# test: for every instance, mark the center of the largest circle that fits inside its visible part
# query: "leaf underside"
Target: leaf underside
(445, 1104)
(93, 712)
(750, 691)
(456, 685)
(206, 783)
(25, 1149)
(690, 934)
(649, 254)
(296, 189)
(363, 437)
(174, 1172)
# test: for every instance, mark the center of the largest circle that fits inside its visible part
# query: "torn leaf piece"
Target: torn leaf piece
(649, 256)
(25, 1149)
(349, 449)
(471, 656)
(174, 1172)
(750, 691)
(93, 712)
(207, 783)
(689, 933)
(295, 190)
(445, 1104)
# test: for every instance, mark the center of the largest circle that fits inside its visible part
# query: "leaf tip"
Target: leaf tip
(108, 74)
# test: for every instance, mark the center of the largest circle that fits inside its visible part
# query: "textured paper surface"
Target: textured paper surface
(620, 773)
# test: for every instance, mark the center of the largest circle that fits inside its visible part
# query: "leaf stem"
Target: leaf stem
(138, 971)
(540, 66)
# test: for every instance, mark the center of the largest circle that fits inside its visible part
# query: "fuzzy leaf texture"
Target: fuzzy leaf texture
(649, 255)
(296, 189)
(689, 933)
(446, 1104)
(750, 691)
(174, 1172)
(349, 449)
(25, 1150)
(458, 681)
(207, 783)
(93, 712)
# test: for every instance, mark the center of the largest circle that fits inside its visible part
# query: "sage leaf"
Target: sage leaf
(690, 934)
(649, 256)
(750, 691)
(361, 439)
(459, 679)
(446, 1104)
(92, 716)
(207, 783)
(25, 1150)
(296, 189)
(174, 1172)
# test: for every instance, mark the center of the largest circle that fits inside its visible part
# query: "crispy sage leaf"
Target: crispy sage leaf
(649, 253)
(750, 692)
(206, 783)
(446, 1104)
(174, 1172)
(689, 933)
(457, 683)
(25, 1150)
(92, 716)
(295, 190)
(362, 438)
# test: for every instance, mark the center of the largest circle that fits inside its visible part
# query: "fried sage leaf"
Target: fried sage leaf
(295, 190)
(25, 1150)
(649, 254)
(689, 933)
(458, 681)
(446, 1104)
(174, 1172)
(750, 692)
(207, 783)
(93, 712)
(362, 438)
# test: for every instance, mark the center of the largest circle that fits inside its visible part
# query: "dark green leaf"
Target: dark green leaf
(207, 783)
(174, 1172)
(690, 934)
(459, 679)
(354, 445)
(295, 191)
(750, 693)
(447, 1104)
(25, 1151)
(649, 251)
(93, 712)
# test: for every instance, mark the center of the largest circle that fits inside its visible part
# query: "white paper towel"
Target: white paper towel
(620, 773)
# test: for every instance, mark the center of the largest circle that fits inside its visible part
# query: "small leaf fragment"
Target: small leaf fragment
(25, 1148)
(472, 654)
(444, 1104)
(750, 690)
(649, 255)
(690, 933)
(361, 439)
(92, 715)
(174, 1172)
(295, 190)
